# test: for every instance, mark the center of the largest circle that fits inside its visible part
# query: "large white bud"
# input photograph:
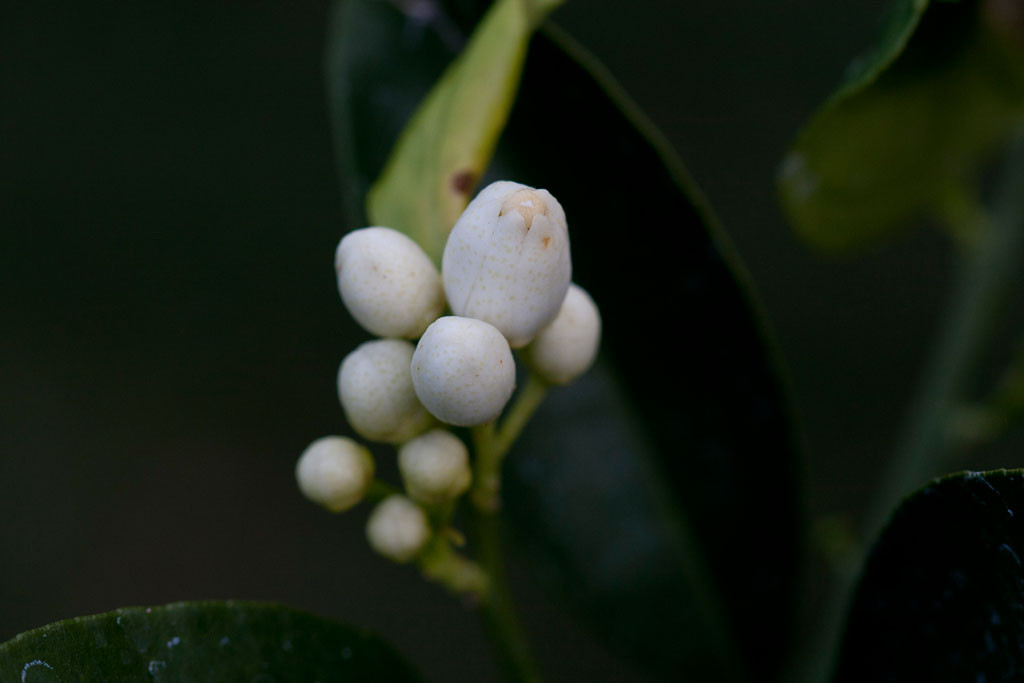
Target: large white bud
(567, 347)
(376, 392)
(435, 466)
(388, 283)
(335, 472)
(463, 371)
(397, 528)
(507, 260)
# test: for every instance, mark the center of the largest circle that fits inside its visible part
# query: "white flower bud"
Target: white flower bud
(435, 466)
(388, 283)
(507, 260)
(397, 528)
(334, 472)
(463, 371)
(567, 347)
(376, 392)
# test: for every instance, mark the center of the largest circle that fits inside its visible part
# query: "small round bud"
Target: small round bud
(507, 260)
(434, 466)
(397, 528)
(334, 472)
(567, 347)
(463, 371)
(376, 392)
(388, 283)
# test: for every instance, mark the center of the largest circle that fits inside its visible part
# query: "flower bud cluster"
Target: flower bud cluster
(506, 278)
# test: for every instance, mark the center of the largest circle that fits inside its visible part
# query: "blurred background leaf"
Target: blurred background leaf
(201, 641)
(942, 595)
(709, 476)
(917, 120)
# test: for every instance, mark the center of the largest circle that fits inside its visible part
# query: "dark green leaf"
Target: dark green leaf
(713, 414)
(942, 595)
(201, 641)
(588, 501)
(373, 87)
(909, 131)
(665, 504)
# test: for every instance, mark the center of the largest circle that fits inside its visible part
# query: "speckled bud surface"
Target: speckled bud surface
(397, 528)
(334, 472)
(567, 347)
(388, 283)
(434, 466)
(507, 260)
(463, 371)
(377, 394)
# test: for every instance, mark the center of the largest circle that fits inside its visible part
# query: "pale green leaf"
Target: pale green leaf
(441, 154)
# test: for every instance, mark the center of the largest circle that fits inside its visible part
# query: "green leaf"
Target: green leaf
(200, 641)
(910, 131)
(440, 156)
(942, 595)
(660, 496)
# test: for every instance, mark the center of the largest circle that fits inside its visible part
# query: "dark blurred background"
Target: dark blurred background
(170, 328)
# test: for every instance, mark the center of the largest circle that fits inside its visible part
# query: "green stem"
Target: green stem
(963, 215)
(987, 420)
(989, 266)
(989, 269)
(458, 574)
(379, 490)
(492, 443)
(497, 611)
(527, 402)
